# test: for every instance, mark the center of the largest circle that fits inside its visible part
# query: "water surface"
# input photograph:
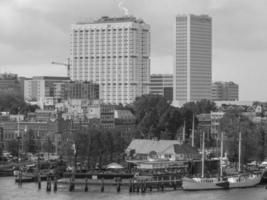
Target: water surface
(10, 191)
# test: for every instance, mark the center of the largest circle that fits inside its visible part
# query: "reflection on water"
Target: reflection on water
(10, 191)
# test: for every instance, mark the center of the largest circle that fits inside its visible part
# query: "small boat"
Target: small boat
(237, 181)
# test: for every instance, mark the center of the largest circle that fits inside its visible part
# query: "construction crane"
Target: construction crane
(67, 65)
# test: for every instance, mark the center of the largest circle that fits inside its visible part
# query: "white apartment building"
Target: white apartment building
(114, 53)
(193, 58)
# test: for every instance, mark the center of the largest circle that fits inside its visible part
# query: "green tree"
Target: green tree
(252, 147)
(29, 142)
(155, 116)
(13, 147)
(48, 145)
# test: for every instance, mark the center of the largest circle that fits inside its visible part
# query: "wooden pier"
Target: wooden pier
(138, 184)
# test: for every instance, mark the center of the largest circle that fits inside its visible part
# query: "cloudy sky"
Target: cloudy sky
(35, 32)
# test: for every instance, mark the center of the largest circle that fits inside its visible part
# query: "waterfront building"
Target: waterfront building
(225, 91)
(160, 154)
(162, 84)
(114, 53)
(193, 58)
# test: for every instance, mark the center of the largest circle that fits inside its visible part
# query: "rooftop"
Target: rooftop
(106, 19)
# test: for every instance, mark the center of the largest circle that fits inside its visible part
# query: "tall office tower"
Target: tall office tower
(193, 58)
(225, 91)
(114, 53)
(162, 84)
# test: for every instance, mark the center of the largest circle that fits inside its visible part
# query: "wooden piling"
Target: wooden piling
(20, 178)
(86, 184)
(72, 184)
(55, 183)
(102, 185)
(130, 186)
(137, 186)
(39, 181)
(48, 185)
(118, 185)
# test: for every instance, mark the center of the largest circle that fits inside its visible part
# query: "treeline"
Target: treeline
(14, 103)
(95, 147)
(155, 118)
(254, 137)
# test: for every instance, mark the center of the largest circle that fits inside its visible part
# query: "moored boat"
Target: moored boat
(227, 182)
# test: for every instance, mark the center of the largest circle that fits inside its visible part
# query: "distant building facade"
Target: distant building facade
(193, 58)
(11, 83)
(76, 90)
(162, 84)
(41, 87)
(114, 53)
(225, 91)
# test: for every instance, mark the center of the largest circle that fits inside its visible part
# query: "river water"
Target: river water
(10, 191)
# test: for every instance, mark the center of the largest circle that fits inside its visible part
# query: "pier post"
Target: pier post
(102, 185)
(130, 186)
(158, 186)
(86, 184)
(48, 185)
(162, 185)
(20, 178)
(72, 184)
(134, 185)
(137, 186)
(118, 184)
(39, 181)
(55, 183)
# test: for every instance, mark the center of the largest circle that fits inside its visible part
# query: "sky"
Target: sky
(33, 33)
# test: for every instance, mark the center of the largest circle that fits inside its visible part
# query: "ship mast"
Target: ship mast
(203, 155)
(193, 131)
(239, 152)
(221, 159)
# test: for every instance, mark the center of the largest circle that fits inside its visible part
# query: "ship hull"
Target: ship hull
(215, 184)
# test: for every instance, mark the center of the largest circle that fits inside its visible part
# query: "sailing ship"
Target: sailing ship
(227, 182)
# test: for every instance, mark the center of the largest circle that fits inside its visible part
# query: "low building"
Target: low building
(41, 131)
(144, 149)
(157, 154)
(124, 120)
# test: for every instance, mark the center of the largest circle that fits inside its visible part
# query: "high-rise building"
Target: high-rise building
(225, 91)
(114, 53)
(193, 58)
(162, 84)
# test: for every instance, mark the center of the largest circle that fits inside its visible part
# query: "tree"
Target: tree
(48, 145)
(154, 115)
(13, 147)
(14, 103)
(29, 142)
(231, 124)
